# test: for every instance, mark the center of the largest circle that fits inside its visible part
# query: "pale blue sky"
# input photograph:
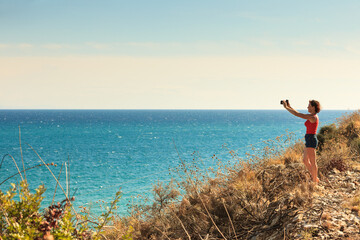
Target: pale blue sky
(179, 54)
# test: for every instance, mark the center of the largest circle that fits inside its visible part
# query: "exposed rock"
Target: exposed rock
(329, 217)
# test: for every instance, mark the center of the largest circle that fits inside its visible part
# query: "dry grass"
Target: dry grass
(255, 197)
(335, 154)
(255, 200)
(341, 147)
(293, 154)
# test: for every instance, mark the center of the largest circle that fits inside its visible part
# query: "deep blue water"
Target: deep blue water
(131, 149)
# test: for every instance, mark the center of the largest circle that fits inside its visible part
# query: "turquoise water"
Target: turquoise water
(131, 149)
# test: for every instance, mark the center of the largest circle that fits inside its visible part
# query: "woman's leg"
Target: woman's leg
(306, 161)
(314, 168)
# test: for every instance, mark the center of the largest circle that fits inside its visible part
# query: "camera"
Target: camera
(282, 102)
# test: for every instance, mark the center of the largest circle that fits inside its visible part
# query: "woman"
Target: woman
(311, 142)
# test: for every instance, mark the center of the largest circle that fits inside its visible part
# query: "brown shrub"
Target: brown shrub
(349, 127)
(294, 153)
(335, 154)
(252, 202)
(348, 119)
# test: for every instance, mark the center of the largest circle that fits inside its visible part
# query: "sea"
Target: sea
(98, 152)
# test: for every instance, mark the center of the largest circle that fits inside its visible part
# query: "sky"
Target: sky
(161, 54)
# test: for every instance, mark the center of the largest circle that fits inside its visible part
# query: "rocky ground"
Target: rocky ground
(330, 215)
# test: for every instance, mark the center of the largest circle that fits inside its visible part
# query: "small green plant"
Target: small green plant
(20, 219)
(308, 234)
(106, 217)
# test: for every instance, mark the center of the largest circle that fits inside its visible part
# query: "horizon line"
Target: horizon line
(166, 109)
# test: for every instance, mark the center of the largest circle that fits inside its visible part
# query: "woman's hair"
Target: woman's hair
(315, 104)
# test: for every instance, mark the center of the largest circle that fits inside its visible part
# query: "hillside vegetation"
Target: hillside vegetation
(256, 198)
(262, 196)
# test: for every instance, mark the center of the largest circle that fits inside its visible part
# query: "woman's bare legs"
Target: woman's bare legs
(314, 168)
(310, 163)
(306, 160)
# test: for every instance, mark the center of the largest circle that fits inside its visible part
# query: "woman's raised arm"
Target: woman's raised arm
(310, 117)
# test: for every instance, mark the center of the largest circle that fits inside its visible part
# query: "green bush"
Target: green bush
(21, 218)
(327, 133)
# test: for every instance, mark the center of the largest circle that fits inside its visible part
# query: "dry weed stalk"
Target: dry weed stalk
(57, 184)
(66, 196)
(227, 212)
(19, 172)
(27, 169)
(22, 159)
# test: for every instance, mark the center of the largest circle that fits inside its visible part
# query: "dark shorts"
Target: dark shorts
(311, 141)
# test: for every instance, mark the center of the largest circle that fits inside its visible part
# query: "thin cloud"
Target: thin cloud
(302, 43)
(55, 46)
(142, 44)
(245, 47)
(25, 45)
(153, 45)
(99, 46)
(4, 46)
(16, 46)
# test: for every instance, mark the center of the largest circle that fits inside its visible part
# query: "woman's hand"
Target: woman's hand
(285, 104)
(296, 113)
(288, 104)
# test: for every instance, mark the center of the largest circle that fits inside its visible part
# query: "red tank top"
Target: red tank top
(311, 128)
